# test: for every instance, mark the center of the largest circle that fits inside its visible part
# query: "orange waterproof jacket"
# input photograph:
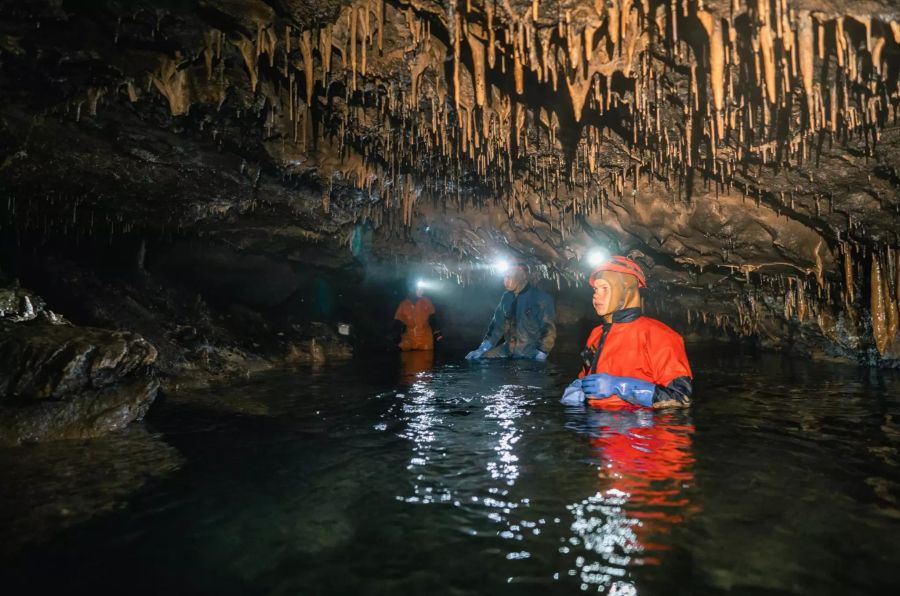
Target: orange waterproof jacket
(418, 334)
(639, 347)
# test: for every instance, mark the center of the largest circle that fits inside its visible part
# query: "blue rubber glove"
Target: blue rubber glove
(479, 351)
(635, 391)
(573, 395)
(540, 356)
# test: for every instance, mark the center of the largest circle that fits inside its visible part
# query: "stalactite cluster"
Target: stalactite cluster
(671, 86)
(537, 125)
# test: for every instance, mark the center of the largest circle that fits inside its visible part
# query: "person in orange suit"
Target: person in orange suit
(630, 360)
(415, 316)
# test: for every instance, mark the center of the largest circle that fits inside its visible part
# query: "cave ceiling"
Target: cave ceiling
(742, 150)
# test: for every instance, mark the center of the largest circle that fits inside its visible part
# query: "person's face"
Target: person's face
(613, 291)
(602, 295)
(514, 279)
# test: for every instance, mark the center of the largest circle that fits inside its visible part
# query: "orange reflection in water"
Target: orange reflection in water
(647, 458)
(414, 363)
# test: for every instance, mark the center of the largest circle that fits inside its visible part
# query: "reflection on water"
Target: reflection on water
(414, 476)
(413, 363)
(644, 468)
(503, 407)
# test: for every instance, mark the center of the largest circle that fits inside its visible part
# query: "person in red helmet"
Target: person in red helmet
(630, 360)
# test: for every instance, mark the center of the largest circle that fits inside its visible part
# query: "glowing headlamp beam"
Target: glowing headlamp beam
(596, 256)
(428, 285)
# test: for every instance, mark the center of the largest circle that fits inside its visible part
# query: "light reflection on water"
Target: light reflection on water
(644, 470)
(643, 466)
(472, 478)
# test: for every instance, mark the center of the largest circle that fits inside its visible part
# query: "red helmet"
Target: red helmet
(620, 265)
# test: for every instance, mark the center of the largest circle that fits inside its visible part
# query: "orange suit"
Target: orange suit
(639, 347)
(418, 334)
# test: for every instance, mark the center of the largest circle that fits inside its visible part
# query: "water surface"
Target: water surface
(404, 476)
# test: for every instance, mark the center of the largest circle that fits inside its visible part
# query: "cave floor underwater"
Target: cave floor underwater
(407, 475)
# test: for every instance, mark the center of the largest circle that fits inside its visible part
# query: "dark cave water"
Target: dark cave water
(380, 477)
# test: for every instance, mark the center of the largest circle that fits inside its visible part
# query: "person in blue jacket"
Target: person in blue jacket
(524, 323)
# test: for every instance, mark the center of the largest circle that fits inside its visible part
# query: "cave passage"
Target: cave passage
(421, 476)
(211, 212)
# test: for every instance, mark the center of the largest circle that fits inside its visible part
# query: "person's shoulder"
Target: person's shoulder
(657, 326)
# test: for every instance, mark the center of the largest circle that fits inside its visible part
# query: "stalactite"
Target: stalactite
(171, 81)
(618, 55)
(713, 27)
(883, 309)
(848, 275)
(805, 42)
(325, 49)
(247, 50)
(352, 41)
(476, 46)
(892, 304)
(767, 49)
(308, 68)
(457, 24)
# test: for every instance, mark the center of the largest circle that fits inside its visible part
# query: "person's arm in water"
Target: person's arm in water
(669, 362)
(497, 326)
(495, 329)
(638, 391)
(677, 393)
(548, 328)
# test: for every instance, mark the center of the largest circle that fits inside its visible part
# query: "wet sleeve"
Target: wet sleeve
(671, 371)
(495, 329)
(676, 393)
(548, 325)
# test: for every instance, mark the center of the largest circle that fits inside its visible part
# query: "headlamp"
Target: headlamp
(596, 256)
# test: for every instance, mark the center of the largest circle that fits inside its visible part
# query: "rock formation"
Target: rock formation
(746, 150)
(58, 381)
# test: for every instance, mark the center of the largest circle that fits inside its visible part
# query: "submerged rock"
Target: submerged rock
(321, 345)
(64, 382)
(52, 486)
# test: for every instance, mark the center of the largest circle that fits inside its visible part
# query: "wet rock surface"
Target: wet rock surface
(59, 381)
(64, 382)
(210, 319)
(52, 486)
